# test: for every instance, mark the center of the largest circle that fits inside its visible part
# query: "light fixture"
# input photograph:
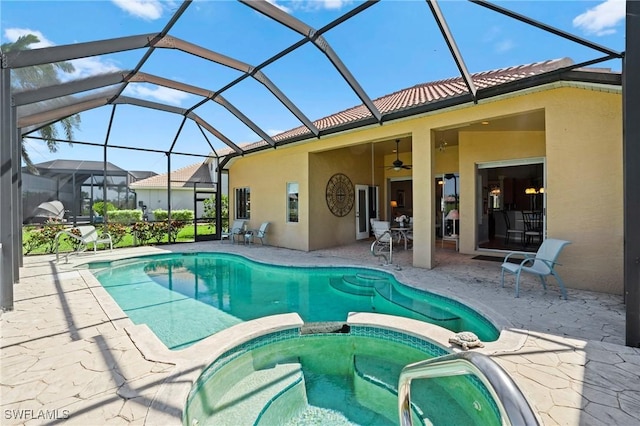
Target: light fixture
(453, 215)
(394, 204)
(533, 191)
(442, 146)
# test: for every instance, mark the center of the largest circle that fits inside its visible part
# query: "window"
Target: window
(292, 202)
(243, 203)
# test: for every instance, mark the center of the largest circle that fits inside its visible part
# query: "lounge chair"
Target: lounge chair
(261, 233)
(236, 230)
(543, 263)
(88, 235)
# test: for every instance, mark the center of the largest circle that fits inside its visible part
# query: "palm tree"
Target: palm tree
(41, 76)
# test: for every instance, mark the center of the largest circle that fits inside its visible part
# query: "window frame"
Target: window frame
(289, 200)
(243, 203)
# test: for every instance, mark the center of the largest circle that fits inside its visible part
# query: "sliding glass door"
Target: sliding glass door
(506, 192)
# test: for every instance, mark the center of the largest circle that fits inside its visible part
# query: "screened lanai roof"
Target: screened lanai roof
(205, 78)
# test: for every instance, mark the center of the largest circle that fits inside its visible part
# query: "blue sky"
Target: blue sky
(388, 47)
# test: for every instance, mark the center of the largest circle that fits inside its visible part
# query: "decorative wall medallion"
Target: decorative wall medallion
(340, 194)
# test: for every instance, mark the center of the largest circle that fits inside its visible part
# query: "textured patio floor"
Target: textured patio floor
(68, 357)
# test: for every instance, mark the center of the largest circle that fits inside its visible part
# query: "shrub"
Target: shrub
(117, 232)
(98, 207)
(158, 231)
(125, 216)
(142, 232)
(179, 215)
(33, 239)
(49, 232)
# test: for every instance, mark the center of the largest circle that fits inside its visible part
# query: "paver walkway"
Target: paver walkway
(65, 358)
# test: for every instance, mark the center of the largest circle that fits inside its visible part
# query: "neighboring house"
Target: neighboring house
(189, 185)
(550, 143)
(77, 184)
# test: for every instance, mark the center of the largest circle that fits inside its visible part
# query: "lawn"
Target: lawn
(186, 234)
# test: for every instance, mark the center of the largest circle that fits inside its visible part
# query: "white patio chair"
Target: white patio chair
(88, 235)
(236, 230)
(261, 233)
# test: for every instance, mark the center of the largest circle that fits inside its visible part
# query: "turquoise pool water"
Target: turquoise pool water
(289, 378)
(184, 298)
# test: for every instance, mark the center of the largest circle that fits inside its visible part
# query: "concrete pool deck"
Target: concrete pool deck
(68, 355)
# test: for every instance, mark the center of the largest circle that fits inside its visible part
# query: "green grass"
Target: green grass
(185, 235)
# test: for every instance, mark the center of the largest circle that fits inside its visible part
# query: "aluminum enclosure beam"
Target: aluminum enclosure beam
(170, 42)
(235, 111)
(547, 28)
(195, 117)
(69, 88)
(47, 55)
(316, 38)
(631, 173)
(143, 77)
(453, 47)
(6, 169)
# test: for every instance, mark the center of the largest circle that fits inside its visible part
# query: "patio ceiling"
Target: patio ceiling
(41, 106)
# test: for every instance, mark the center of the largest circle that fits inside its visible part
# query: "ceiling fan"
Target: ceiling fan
(398, 164)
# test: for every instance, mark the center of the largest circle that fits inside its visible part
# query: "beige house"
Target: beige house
(197, 179)
(551, 145)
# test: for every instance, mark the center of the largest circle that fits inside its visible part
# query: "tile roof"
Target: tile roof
(418, 95)
(181, 178)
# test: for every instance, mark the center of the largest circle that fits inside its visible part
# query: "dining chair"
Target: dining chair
(532, 227)
(511, 230)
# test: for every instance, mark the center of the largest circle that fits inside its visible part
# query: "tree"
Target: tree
(28, 78)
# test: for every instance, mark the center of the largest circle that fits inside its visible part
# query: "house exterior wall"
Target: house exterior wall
(181, 199)
(581, 144)
(585, 197)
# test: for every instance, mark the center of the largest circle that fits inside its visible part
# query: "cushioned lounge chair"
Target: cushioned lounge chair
(542, 264)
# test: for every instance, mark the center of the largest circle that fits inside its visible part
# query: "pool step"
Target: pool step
(376, 387)
(369, 285)
(244, 402)
(353, 285)
(439, 315)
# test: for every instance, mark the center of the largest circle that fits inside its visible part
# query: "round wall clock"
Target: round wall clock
(340, 194)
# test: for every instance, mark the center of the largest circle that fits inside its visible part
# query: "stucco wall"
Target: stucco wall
(328, 230)
(267, 175)
(585, 194)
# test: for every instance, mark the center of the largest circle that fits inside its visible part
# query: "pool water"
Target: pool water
(184, 298)
(332, 379)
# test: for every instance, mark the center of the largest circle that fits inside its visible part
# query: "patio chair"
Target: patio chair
(382, 232)
(88, 235)
(235, 231)
(261, 233)
(542, 264)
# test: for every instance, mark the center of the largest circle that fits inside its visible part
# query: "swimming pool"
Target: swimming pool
(292, 377)
(185, 297)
